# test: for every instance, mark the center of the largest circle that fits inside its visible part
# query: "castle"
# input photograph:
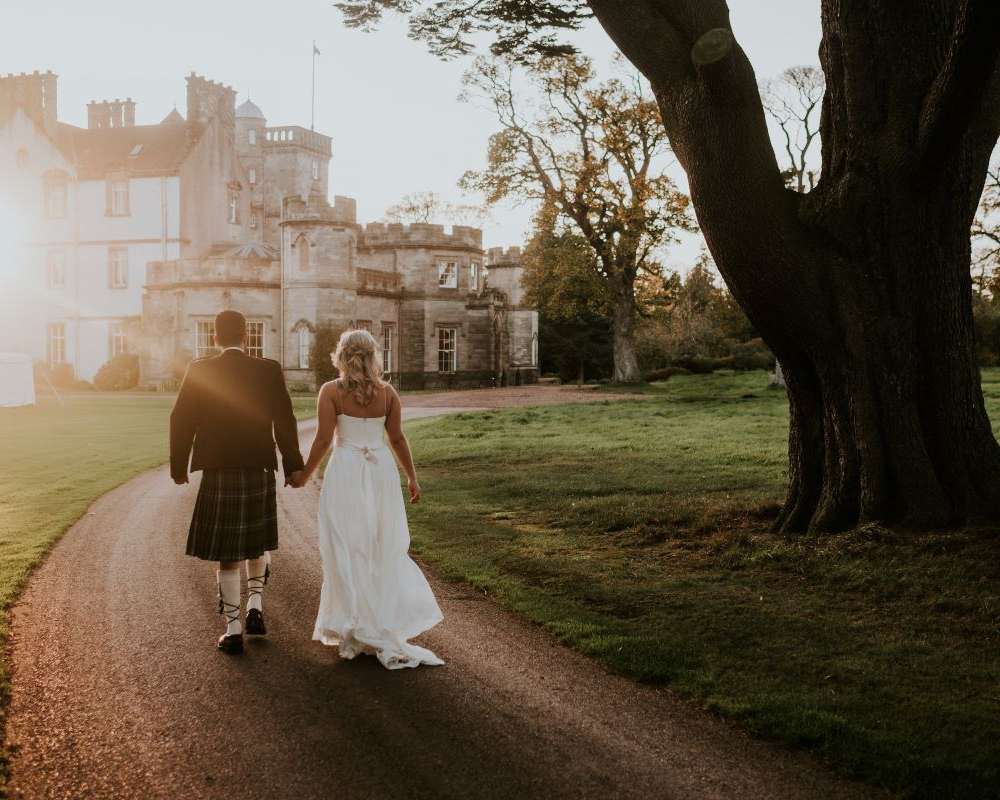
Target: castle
(135, 236)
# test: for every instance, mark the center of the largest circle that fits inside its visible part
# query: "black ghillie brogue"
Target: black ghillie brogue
(255, 623)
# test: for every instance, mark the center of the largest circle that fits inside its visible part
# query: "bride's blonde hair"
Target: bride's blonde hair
(359, 362)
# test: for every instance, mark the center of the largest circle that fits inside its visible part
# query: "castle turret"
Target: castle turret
(505, 273)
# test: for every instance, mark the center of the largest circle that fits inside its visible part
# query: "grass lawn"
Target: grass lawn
(57, 459)
(638, 533)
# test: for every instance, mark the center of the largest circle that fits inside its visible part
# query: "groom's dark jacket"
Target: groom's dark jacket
(232, 408)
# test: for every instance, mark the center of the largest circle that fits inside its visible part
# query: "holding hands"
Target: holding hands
(297, 479)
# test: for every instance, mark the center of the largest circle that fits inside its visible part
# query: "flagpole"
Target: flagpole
(312, 114)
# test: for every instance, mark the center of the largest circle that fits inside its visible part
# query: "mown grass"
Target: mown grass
(638, 533)
(56, 459)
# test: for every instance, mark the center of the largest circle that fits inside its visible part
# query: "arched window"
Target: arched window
(304, 337)
(302, 245)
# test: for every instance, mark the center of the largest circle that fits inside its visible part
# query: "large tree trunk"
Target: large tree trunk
(626, 364)
(861, 288)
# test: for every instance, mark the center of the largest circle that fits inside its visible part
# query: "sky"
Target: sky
(390, 106)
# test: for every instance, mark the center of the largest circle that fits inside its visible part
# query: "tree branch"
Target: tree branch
(961, 87)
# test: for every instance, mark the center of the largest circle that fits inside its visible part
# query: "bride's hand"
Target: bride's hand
(414, 488)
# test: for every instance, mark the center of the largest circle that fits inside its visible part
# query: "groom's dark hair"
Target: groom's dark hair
(230, 328)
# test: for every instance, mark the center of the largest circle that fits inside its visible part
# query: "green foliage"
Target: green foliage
(700, 327)
(638, 533)
(120, 373)
(524, 30)
(321, 353)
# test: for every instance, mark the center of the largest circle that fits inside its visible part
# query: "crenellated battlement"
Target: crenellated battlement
(503, 256)
(419, 234)
(207, 99)
(297, 136)
(316, 209)
(34, 92)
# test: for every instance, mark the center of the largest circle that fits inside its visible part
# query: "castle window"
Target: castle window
(204, 338)
(302, 245)
(448, 275)
(315, 169)
(55, 198)
(234, 207)
(253, 220)
(118, 267)
(473, 277)
(118, 339)
(447, 350)
(305, 346)
(388, 347)
(255, 338)
(253, 176)
(117, 205)
(534, 350)
(56, 268)
(252, 136)
(57, 343)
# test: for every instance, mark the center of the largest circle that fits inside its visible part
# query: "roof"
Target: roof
(254, 251)
(249, 110)
(142, 149)
(172, 118)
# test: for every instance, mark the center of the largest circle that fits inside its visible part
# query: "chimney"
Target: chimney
(36, 94)
(111, 114)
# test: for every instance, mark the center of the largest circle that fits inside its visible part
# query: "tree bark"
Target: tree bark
(626, 364)
(862, 287)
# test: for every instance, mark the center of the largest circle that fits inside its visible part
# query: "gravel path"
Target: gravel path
(118, 691)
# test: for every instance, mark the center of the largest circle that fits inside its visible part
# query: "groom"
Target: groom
(231, 408)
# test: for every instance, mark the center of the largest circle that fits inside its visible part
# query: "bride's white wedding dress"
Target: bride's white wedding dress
(374, 597)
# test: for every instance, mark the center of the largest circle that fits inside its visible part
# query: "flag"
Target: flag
(316, 51)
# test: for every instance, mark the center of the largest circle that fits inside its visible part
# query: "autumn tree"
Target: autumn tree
(861, 286)
(430, 207)
(594, 153)
(561, 280)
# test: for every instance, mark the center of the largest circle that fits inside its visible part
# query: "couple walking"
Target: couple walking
(231, 409)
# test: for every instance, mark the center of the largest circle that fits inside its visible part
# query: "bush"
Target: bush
(120, 373)
(320, 361)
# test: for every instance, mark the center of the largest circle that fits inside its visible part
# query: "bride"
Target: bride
(374, 597)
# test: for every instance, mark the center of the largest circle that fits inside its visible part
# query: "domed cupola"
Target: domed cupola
(249, 110)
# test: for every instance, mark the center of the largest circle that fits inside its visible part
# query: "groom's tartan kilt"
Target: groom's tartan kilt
(235, 515)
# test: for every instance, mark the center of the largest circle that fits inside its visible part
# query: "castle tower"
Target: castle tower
(35, 94)
(250, 130)
(207, 99)
(318, 251)
(505, 273)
